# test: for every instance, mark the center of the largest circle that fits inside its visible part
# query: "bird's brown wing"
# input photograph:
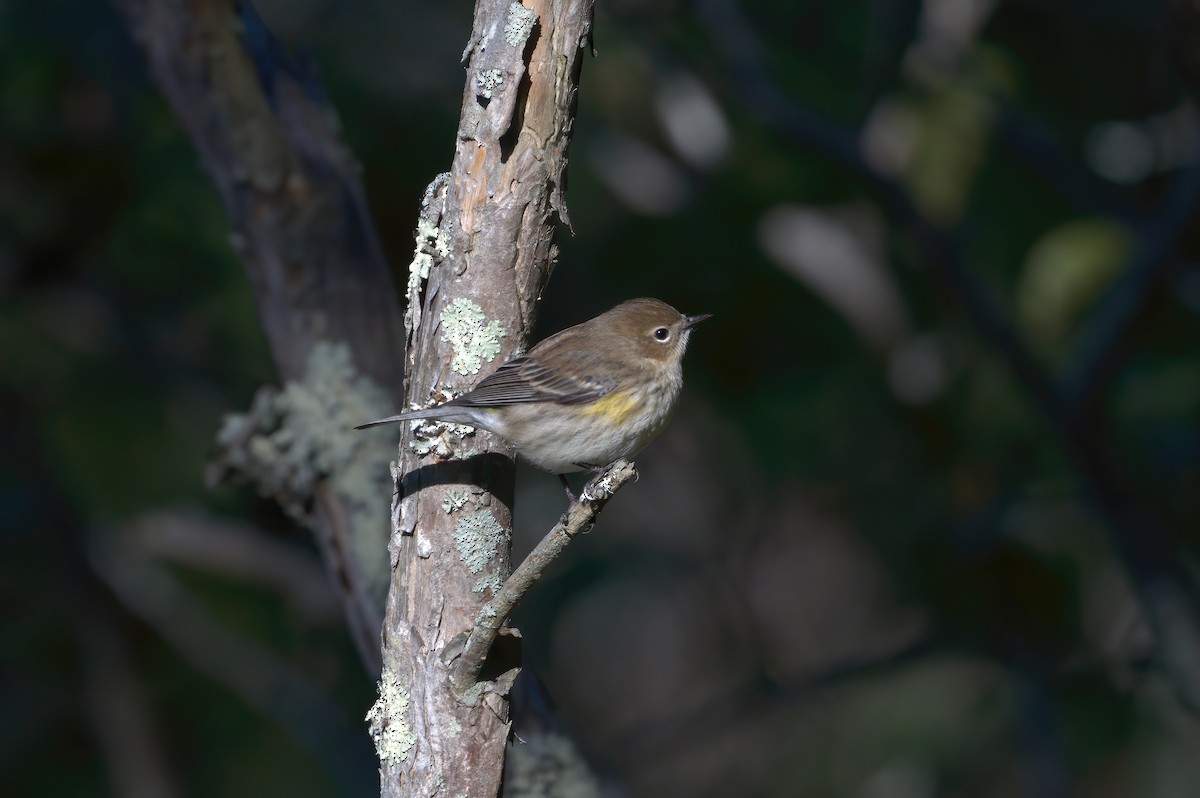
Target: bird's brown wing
(567, 376)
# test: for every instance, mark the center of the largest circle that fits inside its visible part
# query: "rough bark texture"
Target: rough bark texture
(484, 253)
(324, 292)
(327, 304)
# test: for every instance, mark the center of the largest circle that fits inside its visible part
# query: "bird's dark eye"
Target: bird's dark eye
(662, 333)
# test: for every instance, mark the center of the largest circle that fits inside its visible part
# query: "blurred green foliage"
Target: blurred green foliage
(850, 568)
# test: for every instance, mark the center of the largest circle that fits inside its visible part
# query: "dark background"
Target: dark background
(947, 406)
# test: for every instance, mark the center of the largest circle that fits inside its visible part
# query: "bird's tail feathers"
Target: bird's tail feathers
(439, 411)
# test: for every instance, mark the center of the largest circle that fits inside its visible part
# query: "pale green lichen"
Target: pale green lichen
(473, 338)
(425, 444)
(388, 723)
(478, 536)
(455, 727)
(472, 695)
(488, 81)
(292, 438)
(456, 499)
(548, 765)
(489, 581)
(472, 117)
(519, 24)
(438, 438)
(433, 244)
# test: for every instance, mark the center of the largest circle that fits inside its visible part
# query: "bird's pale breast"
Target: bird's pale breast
(563, 438)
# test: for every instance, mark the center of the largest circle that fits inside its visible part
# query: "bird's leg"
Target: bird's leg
(566, 487)
(595, 471)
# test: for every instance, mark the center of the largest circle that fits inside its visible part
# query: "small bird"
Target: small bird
(584, 397)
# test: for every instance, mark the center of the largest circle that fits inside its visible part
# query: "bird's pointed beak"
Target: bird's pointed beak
(691, 321)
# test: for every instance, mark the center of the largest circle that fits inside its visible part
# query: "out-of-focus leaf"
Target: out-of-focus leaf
(953, 124)
(1065, 271)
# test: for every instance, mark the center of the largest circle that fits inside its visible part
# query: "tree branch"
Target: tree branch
(324, 292)
(249, 670)
(1098, 354)
(327, 304)
(484, 253)
(578, 518)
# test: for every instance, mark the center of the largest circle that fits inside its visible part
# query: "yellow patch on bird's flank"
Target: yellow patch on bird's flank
(615, 407)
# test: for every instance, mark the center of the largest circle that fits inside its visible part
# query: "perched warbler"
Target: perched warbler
(586, 396)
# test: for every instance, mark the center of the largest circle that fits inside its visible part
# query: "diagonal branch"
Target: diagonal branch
(578, 518)
(1098, 354)
(249, 670)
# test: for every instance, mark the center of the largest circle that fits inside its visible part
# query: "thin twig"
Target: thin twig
(1098, 355)
(235, 550)
(1027, 141)
(246, 668)
(579, 517)
(746, 704)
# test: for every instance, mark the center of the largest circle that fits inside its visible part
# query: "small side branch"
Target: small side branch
(579, 517)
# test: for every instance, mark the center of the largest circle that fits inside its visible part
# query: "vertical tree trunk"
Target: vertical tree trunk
(484, 253)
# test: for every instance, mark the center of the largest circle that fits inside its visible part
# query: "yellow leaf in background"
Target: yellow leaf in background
(954, 125)
(952, 121)
(1064, 273)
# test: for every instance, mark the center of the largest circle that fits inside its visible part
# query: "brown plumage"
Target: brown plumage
(585, 396)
